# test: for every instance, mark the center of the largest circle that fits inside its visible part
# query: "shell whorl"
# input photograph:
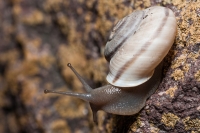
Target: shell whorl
(137, 44)
(121, 31)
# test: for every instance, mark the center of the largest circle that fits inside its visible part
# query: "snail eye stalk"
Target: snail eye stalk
(85, 96)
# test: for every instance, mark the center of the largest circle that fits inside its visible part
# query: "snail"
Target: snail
(135, 49)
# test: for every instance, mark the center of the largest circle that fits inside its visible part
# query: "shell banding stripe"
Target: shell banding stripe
(117, 30)
(129, 62)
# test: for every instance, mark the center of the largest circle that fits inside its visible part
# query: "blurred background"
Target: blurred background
(37, 40)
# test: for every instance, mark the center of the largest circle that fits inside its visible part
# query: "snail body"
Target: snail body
(135, 49)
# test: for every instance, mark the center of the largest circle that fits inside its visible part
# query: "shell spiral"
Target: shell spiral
(138, 43)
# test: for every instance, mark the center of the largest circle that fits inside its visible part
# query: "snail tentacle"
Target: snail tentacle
(85, 85)
(83, 96)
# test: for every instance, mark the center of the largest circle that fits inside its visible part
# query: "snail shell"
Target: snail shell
(137, 44)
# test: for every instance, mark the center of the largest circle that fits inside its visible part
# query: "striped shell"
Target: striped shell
(138, 43)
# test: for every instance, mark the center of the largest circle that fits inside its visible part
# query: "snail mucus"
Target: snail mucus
(135, 49)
